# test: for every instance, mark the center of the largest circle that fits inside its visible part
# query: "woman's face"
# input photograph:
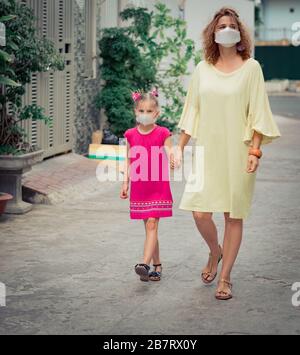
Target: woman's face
(226, 21)
(227, 33)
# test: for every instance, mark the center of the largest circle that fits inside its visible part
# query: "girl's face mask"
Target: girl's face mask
(146, 119)
(227, 37)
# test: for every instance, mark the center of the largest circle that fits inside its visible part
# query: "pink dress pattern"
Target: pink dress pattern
(150, 192)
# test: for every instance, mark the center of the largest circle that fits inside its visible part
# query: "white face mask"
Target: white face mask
(227, 37)
(145, 119)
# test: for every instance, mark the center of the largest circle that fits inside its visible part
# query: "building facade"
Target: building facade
(278, 39)
(68, 96)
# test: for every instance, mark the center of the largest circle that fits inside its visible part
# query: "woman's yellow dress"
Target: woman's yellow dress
(221, 112)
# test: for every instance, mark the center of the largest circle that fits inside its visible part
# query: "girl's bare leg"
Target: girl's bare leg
(208, 230)
(151, 247)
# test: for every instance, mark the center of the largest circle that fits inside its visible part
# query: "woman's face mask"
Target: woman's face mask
(227, 37)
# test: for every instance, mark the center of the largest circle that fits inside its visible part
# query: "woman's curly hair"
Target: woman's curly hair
(211, 48)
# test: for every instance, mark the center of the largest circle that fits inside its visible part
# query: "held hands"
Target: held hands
(253, 163)
(176, 157)
(124, 191)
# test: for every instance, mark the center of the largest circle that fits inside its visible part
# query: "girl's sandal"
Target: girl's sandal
(224, 295)
(143, 271)
(155, 275)
(205, 275)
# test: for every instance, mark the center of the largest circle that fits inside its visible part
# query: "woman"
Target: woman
(227, 111)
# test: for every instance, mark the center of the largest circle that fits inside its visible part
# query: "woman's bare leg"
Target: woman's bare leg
(208, 230)
(232, 242)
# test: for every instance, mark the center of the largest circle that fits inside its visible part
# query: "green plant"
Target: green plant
(170, 35)
(123, 68)
(132, 59)
(25, 53)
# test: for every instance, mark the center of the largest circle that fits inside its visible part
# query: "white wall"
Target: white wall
(109, 13)
(199, 13)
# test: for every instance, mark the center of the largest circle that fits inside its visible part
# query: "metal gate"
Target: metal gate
(53, 90)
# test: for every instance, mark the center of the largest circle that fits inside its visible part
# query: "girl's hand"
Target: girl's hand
(124, 191)
(172, 161)
(253, 163)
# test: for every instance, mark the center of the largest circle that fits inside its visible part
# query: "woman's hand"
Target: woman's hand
(253, 163)
(124, 191)
(176, 157)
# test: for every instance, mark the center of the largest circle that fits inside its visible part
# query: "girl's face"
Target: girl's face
(146, 112)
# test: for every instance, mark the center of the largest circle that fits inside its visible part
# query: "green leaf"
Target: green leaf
(12, 46)
(5, 56)
(7, 18)
(6, 81)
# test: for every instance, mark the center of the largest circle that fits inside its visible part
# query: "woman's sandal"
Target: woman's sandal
(224, 295)
(155, 275)
(205, 275)
(143, 271)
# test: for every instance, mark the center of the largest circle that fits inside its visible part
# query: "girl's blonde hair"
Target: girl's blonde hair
(145, 96)
(211, 48)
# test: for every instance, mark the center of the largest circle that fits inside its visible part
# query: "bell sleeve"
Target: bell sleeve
(191, 111)
(259, 114)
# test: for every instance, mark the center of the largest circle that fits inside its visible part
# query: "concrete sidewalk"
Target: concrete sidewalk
(68, 268)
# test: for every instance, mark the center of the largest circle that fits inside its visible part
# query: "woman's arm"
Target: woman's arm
(253, 161)
(183, 140)
(178, 153)
(256, 140)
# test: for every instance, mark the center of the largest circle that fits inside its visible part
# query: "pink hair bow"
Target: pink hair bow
(136, 95)
(154, 92)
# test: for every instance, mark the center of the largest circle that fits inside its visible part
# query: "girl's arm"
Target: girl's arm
(169, 150)
(125, 184)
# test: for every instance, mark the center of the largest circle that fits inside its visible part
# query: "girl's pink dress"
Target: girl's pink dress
(150, 192)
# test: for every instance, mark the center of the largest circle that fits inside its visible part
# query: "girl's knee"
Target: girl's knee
(152, 224)
(202, 216)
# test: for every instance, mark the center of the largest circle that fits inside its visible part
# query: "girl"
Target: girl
(147, 169)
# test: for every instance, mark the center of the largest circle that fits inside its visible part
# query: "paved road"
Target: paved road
(288, 105)
(69, 268)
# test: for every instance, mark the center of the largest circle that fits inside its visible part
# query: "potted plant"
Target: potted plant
(24, 53)
(4, 198)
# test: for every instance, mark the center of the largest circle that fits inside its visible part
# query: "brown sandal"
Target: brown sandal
(205, 275)
(226, 295)
(143, 271)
